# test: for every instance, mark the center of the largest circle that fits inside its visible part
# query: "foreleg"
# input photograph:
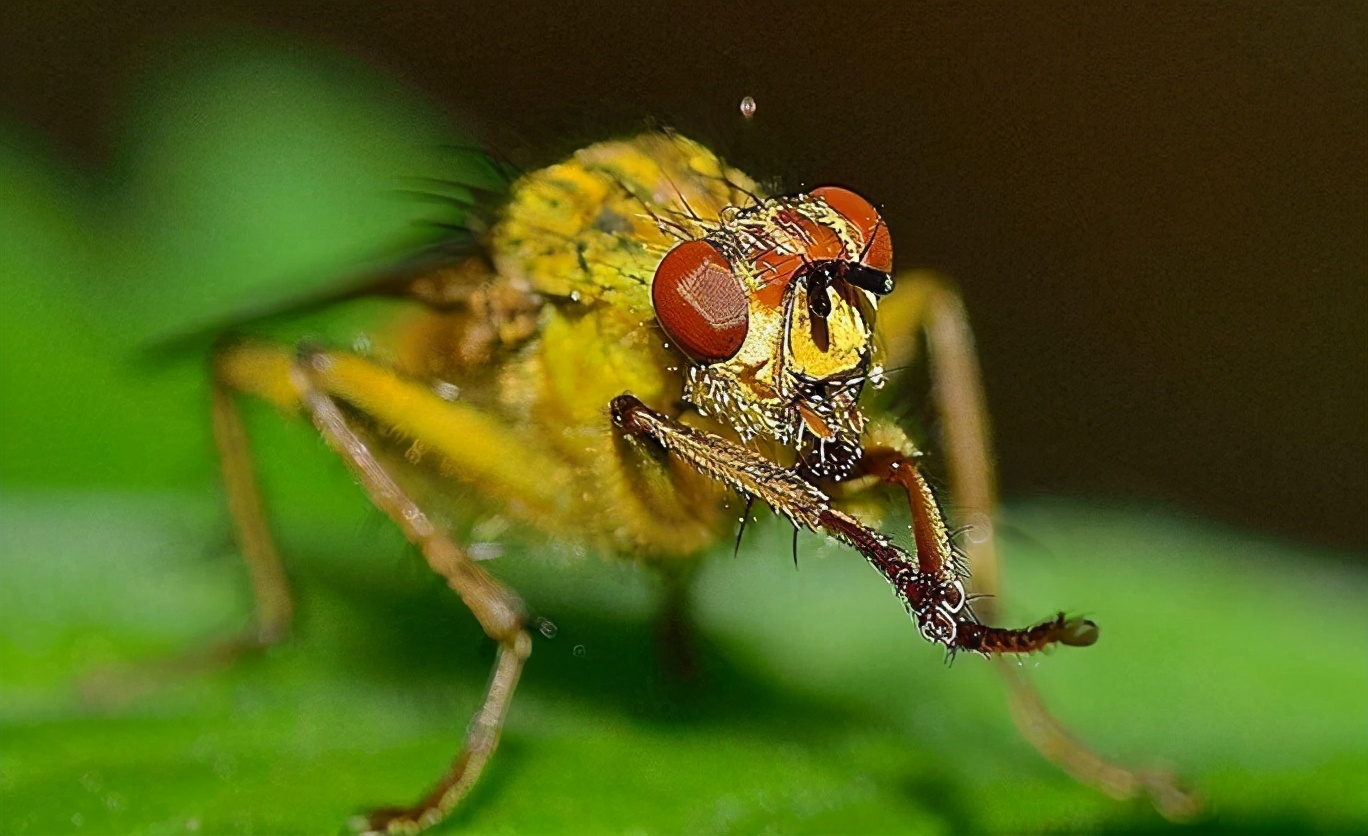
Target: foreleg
(933, 595)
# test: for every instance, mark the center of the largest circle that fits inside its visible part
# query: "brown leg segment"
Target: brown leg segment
(498, 610)
(676, 644)
(936, 599)
(274, 610)
(958, 394)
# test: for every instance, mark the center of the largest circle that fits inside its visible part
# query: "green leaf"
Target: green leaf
(818, 709)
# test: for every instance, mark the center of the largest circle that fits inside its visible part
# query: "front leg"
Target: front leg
(928, 584)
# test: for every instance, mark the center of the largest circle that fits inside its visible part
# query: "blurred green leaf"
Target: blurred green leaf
(818, 709)
(254, 177)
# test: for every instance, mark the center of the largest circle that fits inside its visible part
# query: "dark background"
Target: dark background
(1157, 212)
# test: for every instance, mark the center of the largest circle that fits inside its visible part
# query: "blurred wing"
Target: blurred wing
(432, 260)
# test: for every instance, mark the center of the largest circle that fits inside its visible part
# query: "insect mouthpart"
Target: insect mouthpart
(828, 426)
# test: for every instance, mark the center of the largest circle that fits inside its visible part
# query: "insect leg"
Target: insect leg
(925, 304)
(936, 600)
(274, 610)
(928, 305)
(499, 611)
(674, 629)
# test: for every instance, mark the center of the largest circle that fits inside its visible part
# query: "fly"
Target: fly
(639, 338)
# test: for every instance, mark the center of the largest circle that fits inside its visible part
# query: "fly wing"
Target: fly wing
(428, 251)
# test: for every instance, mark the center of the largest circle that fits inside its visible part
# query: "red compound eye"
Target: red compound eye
(700, 302)
(878, 253)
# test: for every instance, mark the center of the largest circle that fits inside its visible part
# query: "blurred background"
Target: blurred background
(1157, 212)
(1158, 215)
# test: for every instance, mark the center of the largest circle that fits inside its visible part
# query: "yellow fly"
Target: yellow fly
(641, 339)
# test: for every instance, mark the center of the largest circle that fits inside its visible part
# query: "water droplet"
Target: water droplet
(579, 650)
(748, 107)
(546, 628)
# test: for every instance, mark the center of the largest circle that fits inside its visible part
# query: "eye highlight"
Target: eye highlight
(700, 302)
(878, 248)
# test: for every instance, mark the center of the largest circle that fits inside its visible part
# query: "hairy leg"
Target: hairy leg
(273, 608)
(936, 598)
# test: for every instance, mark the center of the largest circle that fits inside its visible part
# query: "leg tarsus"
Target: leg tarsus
(482, 738)
(120, 684)
(1053, 740)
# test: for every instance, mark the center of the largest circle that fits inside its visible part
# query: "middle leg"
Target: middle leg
(498, 610)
